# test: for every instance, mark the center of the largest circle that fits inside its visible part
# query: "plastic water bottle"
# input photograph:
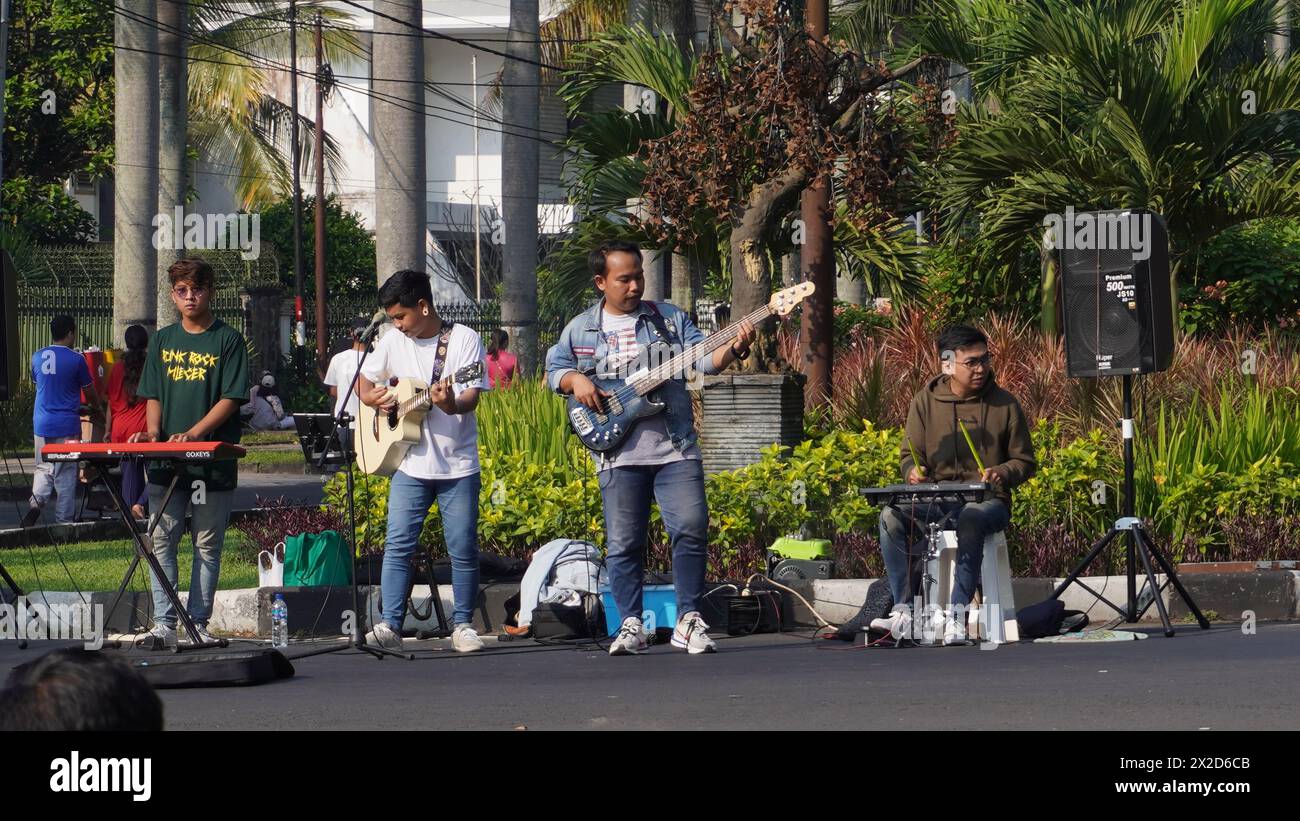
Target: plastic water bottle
(279, 622)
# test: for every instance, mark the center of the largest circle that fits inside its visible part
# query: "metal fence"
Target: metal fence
(78, 281)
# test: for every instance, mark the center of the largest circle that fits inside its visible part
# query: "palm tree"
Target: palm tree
(135, 158)
(235, 48)
(1100, 104)
(519, 171)
(605, 169)
(399, 130)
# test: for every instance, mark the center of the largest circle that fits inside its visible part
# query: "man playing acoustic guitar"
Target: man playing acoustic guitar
(443, 466)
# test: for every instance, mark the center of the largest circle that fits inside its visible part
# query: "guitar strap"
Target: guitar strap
(657, 322)
(440, 360)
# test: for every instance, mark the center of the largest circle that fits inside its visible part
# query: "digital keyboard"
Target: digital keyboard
(116, 451)
(964, 492)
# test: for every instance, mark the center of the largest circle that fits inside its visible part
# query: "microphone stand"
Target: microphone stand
(348, 456)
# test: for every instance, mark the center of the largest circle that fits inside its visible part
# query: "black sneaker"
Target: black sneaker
(1074, 623)
(30, 517)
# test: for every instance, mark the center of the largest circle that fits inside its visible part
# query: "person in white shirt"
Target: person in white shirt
(443, 466)
(343, 369)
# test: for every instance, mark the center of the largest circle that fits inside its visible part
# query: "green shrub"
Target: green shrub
(1248, 276)
(1072, 500)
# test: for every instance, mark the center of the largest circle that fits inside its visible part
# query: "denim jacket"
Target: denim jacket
(582, 348)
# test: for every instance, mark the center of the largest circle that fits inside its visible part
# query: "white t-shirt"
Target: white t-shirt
(648, 443)
(339, 375)
(448, 448)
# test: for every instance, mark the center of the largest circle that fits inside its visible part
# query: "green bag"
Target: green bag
(316, 560)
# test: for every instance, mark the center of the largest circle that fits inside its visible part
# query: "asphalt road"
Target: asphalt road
(1220, 679)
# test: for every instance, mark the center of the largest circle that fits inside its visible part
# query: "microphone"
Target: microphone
(378, 319)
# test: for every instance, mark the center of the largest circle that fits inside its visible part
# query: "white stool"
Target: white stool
(995, 619)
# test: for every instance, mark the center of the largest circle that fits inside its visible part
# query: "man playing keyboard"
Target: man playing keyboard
(961, 427)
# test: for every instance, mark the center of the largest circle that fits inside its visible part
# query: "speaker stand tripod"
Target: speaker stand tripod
(1139, 544)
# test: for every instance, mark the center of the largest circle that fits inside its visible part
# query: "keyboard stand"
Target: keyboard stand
(144, 550)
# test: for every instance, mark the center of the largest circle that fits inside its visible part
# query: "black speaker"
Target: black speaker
(1116, 303)
(9, 369)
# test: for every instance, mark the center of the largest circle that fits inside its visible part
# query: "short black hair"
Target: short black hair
(78, 689)
(407, 288)
(61, 326)
(956, 337)
(596, 259)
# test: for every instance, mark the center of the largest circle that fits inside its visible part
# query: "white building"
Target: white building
(454, 173)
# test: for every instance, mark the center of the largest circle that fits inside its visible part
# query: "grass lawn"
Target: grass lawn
(95, 566)
(15, 480)
(269, 437)
(273, 457)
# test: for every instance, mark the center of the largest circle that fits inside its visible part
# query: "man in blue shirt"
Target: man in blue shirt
(60, 374)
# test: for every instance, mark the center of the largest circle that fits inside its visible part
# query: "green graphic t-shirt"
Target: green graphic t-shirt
(189, 373)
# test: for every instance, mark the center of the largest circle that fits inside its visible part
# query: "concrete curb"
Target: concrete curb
(1272, 595)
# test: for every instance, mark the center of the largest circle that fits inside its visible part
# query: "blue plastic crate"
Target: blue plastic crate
(658, 608)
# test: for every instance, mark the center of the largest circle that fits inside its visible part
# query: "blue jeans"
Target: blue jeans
(678, 487)
(903, 537)
(58, 479)
(409, 500)
(135, 490)
(209, 518)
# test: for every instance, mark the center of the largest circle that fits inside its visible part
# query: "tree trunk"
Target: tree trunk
(682, 294)
(1051, 286)
(135, 124)
(398, 127)
(751, 271)
(818, 323)
(683, 17)
(637, 98)
(521, 111)
(1279, 42)
(173, 115)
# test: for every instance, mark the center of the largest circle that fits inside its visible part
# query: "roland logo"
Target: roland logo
(127, 775)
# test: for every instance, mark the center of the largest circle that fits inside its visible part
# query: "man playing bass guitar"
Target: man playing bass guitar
(659, 455)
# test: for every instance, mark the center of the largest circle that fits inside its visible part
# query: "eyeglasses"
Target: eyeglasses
(980, 362)
(184, 292)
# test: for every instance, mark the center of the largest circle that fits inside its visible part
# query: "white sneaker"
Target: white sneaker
(163, 636)
(630, 640)
(465, 640)
(204, 635)
(689, 634)
(384, 636)
(898, 624)
(954, 633)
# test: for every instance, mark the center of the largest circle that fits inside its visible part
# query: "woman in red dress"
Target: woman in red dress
(503, 366)
(126, 415)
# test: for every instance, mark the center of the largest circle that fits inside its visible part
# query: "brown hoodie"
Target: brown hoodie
(996, 425)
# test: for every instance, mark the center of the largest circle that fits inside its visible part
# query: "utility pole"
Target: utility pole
(478, 208)
(322, 324)
(4, 62)
(818, 256)
(301, 326)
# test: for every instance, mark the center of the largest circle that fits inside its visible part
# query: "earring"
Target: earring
(426, 311)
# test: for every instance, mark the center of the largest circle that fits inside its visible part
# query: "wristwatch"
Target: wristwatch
(739, 356)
